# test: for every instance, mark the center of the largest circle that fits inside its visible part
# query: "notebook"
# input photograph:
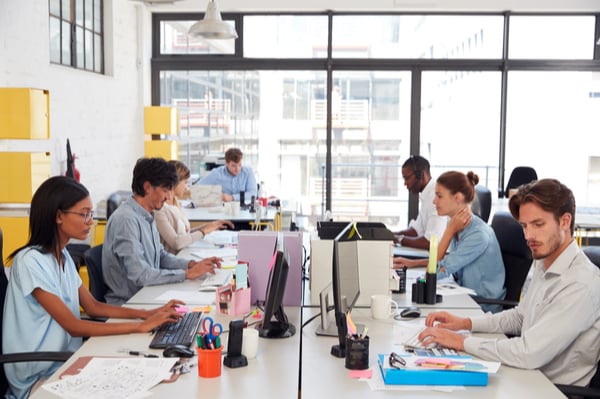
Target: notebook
(206, 195)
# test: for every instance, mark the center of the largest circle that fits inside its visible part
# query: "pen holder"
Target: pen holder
(209, 362)
(357, 352)
(430, 288)
(418, 292)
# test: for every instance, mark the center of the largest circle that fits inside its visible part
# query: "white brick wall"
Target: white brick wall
(102, 115)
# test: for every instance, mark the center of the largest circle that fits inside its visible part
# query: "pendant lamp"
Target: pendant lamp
(212, 25)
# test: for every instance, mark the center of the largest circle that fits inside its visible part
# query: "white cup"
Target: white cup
(234, 207)
(250, 342)
(382, 306)
(227, 208)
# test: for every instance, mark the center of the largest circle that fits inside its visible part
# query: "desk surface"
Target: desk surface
(272, 374)
(325, 376)
(209, 214)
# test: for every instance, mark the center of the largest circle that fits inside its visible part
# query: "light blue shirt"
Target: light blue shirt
(132, 255)
(232, 185)
(475, 261)
(27, 327)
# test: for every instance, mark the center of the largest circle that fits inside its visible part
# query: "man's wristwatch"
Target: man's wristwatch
(399, 238)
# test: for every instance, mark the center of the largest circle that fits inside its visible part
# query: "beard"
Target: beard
(554, 243)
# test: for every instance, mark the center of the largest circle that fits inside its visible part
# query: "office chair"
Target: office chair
(116, 199)
(22, 356)
(482, 204)
(516, 257)
(93, 261)
(519, 176)
(593, 253)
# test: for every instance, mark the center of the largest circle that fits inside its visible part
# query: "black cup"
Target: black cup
(357, 352)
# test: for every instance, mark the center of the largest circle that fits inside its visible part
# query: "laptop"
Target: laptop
(206, 195)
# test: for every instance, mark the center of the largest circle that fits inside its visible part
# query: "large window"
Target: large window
(76, 34)
(328, 128)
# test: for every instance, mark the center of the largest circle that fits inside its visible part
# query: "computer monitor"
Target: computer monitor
(345, 282)
(366, 230)
(327, 327)
(275, 323)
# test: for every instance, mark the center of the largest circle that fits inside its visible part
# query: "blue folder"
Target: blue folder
(393, 376)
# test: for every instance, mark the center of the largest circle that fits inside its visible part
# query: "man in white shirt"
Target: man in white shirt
(556, 327)
(417, 179)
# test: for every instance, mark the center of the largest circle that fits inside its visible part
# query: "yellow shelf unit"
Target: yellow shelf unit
(24, 113)
(21, 173)
(166, 149)
(161, 120)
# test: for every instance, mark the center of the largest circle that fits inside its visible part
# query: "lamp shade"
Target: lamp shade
(212, 25)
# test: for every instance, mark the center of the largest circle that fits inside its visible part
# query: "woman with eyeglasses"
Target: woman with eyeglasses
(45, 292)
(173, 225)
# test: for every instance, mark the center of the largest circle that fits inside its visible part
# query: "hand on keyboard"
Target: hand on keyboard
(414, 343)
(202, 267)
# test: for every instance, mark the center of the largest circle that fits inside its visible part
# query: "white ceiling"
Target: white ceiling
(384, 5)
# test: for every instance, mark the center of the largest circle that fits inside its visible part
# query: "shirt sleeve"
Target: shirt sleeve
(170, 235)
(129, 251)
(536, 347)
(470, 247)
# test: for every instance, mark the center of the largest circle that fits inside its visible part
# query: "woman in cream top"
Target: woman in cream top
(173, 225)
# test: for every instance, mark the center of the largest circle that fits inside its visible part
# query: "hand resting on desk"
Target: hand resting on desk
(200, 268)
(441, 327)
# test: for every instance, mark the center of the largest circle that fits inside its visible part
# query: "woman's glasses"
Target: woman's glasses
(87, 216)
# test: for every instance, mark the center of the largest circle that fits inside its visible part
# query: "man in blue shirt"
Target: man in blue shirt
(132, 255)
(233, 177)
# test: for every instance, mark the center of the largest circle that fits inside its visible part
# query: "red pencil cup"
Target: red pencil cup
(209, 362)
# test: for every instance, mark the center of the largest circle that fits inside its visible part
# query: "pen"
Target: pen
(364, 332)
(138, 353)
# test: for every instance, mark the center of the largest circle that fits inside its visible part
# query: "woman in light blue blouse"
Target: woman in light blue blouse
(468, 250)
(41, 309)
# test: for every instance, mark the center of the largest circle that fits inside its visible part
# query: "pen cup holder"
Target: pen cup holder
(357, 352)
(209, 362)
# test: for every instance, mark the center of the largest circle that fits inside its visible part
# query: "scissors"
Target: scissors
(213, 330)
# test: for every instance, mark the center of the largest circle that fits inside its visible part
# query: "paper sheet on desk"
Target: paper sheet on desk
(222, 237)
(453, 289)
(189, 297)
(376, 384)
(226, 252)
(117, 378)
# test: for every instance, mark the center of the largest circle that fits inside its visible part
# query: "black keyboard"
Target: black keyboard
(183, 332)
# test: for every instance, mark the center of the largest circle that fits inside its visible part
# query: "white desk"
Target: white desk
(210, 214)
(325, 376)
(272, 374)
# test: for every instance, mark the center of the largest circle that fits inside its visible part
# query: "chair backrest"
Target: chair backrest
(482, 204)
(114, 200)
(519, 176)
(93, 261)
(516, 255)
(593, 253)
(3, 286)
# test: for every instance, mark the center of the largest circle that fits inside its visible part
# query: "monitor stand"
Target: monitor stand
(328, 327)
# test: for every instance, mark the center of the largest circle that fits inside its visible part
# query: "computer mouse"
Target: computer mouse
(410, 312)
(178, 351)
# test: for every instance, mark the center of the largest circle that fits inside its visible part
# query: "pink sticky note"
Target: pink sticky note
(181, 309)
(368, 373)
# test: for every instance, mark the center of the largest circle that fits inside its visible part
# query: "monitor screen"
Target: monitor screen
(366, 230)
(275, 323)
(345, 283)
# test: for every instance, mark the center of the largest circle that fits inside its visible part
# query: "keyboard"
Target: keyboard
(182, 332)
(414, 345)
(219, 279)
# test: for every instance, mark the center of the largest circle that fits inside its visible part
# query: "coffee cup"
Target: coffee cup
(382, 306)
(250, 342)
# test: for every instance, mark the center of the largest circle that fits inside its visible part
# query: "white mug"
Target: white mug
(234, 208)
(250, 342)
(382, 306)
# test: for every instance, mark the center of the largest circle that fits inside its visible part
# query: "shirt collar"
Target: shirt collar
(137, 208)
(563, 262)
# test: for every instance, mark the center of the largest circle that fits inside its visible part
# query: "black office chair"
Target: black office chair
(519, 176)
(482, 204)
(593, 253)
(516, 257)
(115, 199)
(23, 356)
(93, 261)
